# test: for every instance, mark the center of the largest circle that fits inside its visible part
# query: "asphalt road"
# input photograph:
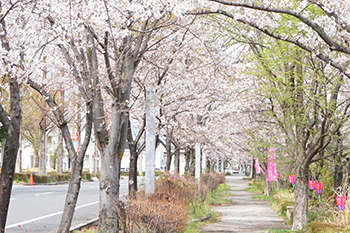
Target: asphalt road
(39, 208)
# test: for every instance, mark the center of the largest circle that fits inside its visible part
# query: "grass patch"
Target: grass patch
(88, 230)
(320, 227)
(201, 211)
(217, 197)
(262, 197)
(272, 230)
(257, 186)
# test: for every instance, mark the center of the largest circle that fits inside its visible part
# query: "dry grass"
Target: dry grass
(159, 212)
(168, 209)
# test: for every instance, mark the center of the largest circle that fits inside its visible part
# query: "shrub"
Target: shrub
(159, 212)
(183, 188)
(168, 208)
(86, 175)
(49, 178)
(212, 180)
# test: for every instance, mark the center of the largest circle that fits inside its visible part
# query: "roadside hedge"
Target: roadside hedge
(51, 177)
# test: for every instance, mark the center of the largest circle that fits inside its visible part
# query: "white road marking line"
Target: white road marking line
(82, 206)
(41, 194)
(33, 220)
(46, 216)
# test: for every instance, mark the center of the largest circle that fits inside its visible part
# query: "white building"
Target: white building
(27, 156)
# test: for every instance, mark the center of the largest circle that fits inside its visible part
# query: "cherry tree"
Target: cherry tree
(317, 27)
(122, 34)
(10, 116)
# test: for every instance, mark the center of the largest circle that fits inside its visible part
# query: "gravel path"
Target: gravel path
(246, 214)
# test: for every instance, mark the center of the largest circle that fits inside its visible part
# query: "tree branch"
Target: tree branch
(303, 46)
(314, 26)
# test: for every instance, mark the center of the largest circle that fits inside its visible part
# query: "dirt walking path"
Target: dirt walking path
(246, 214)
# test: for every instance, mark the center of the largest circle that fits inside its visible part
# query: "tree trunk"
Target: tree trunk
(77, 161)
(187, 160)
(254, 170)
(59, 161)
(71, 197)
(77, 167)
(168, 150)
(133, 170)
(12, 126)
(42, 158)
(346, 170)
(300, 218)
(133, 159)
(6, 176)
(19, 156)
(2, 151)
(59, 164)
(193, 163)
(177, 161)
(337, 172)
(36, 160)
(110, 172)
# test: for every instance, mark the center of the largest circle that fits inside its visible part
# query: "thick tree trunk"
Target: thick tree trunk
(42, 158)
(6, 176)
(300, 218)
(12, 126)
(110, 172)
(59, 164)
(109, 192)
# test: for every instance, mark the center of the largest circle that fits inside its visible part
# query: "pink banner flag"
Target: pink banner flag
(259, 170)
(271, 166)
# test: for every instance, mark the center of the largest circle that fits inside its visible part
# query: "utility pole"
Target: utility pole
(150, 141)
(198, 162)
(222, 165)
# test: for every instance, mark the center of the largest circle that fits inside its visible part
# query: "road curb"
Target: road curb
(56, 183)
(92, 222)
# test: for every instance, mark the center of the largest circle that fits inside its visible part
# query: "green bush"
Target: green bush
(50, 177)
(86, 175)
(158, 173)
(124, 173)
